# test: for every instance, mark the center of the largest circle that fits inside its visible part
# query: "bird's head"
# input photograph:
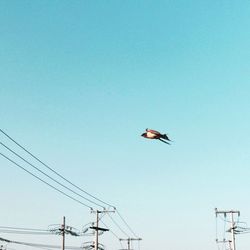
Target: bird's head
(144, 135)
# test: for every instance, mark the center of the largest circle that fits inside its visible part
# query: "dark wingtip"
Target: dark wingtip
(164, 141)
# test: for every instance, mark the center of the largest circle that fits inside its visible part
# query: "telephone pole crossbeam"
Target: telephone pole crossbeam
(97, 228)
(231, 212)
(129, 240)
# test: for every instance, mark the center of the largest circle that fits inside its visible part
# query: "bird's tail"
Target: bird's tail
(164, 141)
(164, 136)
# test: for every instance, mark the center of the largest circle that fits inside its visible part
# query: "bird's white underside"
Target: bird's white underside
(150, 135)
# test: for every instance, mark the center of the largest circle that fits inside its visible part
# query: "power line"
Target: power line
(60, 191)
(130, 229)
(48, 175)
(55, 172)
(110, 230)
(130, 239)
(118, 225)
(23, 228)
(23, 232)
(36, 244)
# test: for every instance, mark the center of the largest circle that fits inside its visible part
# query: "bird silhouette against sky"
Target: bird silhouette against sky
(153, 134)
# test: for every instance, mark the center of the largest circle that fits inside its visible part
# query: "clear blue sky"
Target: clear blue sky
(81, 80)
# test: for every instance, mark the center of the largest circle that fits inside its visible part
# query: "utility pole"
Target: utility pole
(224, 241)
(63, 229)
(129, 240)
(63, 233)
(232, 228)
(97, 228)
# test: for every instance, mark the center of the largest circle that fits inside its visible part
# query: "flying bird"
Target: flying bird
(153, 134)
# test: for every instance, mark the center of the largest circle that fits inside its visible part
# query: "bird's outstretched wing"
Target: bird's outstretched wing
(164, 141)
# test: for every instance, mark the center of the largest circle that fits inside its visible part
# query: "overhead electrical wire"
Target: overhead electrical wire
(37, 245)
(20, 230)
(55, 172)
(63, 178)
(45, 182)
(130, 229)
(116, 236)
(23, 232)
(49, 176)
(118, 225)
(23, 228)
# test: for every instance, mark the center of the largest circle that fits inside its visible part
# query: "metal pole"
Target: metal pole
(128, 243)
(96, 231)
(63, 233)
(232, 231)
(232, 212)
(97, 228)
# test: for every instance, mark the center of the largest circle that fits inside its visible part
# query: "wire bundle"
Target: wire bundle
(62, 185)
